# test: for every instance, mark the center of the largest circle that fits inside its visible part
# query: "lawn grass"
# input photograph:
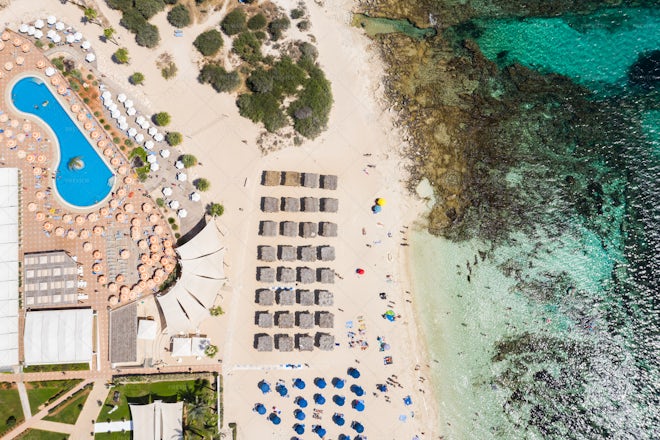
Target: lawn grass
(11, 406)
(55, 367)
(68, 411)
(113, 436)
(41, 392)
(36, 434)
(140, 393)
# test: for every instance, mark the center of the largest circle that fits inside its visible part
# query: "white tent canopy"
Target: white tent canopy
(58, 336)
(181, 347)
(9, 336)
(198, 346)
(157, 421)
(147, 329)
(206, 242)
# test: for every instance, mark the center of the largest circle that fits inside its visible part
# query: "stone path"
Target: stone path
(25, 402)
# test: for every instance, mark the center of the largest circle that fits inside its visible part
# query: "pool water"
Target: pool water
(82, 187)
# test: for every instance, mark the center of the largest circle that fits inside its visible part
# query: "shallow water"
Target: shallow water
(554, 333)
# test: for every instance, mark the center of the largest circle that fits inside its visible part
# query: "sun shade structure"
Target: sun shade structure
(290, 204)
(49, 279)
(310, 180)
(329, 205)
(286, 253)
(186, 305)
(58, 336)
(326, 253)
(309, 204)
(326, 275)
(328, 229)
(284, 342)
(263, 342)
(307, 253)
(157, 421)
(329, 181)
(288, 229)
(305, 297)
(266, 253)
(271, 178)
(324, 298)
(325, 341)
(304, 342)
(325, 319)
(291, 178)
(286, 274)
(266, 274)
(9, 336)
(286, 298)
(308, 229)
(147, 329)
(304, 320)
(264, 319)
(284, 319)
(270, 204)
(306, 275)
(265, 297)
(268, 228)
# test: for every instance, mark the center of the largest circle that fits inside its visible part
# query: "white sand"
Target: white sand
(225, 145)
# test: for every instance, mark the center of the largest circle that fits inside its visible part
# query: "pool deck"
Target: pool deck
(124, 245)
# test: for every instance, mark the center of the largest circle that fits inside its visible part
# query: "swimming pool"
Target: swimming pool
(83, 179)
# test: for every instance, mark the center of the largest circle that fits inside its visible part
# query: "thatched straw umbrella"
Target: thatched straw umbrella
(325, 319)
(325, 275)
(265, 297)
(307, 253)
(328, 229)
(290, 204)
(329, 181)
(266, 253)
(310, 180)
(284, 319)
(285, 297)
(305, 297)
(286, 253)
(326, 253)
(265, 274)
(267, 228)
(263, 319)
(308, 229)
(329, 205)
(325, 341)
(310, 204)
(263, 342)
(324, 298)
(306, 275)
(271, 178)
(288, 229)
(304, 342)
(304, 319)
(270, 204)
(283, 342)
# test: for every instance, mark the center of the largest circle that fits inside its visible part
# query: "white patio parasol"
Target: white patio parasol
(70, 38)
(23, 28)
(77, 36)
(115, 114)
(106, 95)
(158, 137)
(153, 131)
(51, 19)
(112, 106)
(182, 213)
(195, 197)
(139, 138)
(131, 111)
(51, 34)
(167, 191)
(50, 71)
(132, 131)
(59, 26)
(121, 97)
(145, 124)
(152, 158)
(122, 119)
(32, 30)
(178, 165)
(149, 144)
(182, 177)
(38, 34)
(154, 166)
(128, 103)
(174, 204)
(86, 45)
(90, 57)
(139, 119)
(165, 153)
(123, 125)
(57, 39)
(39, 24)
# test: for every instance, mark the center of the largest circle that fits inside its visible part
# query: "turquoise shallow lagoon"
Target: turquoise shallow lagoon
(549, 330)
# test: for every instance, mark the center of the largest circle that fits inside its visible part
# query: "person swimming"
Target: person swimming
(44, 104)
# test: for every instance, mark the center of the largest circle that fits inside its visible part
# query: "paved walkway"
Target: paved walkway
(46, 425)
(90, 411)
(25, 402)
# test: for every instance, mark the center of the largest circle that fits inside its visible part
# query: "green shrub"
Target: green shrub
(260, 81)
(215, 210)
(312, 108)
(308, 50)
(248, 47)
(261, 35)
(132, 20)
(171, 220)
(169, 71)
(175, 227)
(179, 16)
(137, 78)
(161, 119)
(174, 138)
(256, 22)
(208, 43)
(149, 8)
(121, 56)
(116, 140)
(287, 77)
(296, 13)
(147, 36)
(171, 2)
(177, 235)
(262, 107)
(202, 184)
(234, 22)
(188, 160)
(160, 202)
(122, 5)
(39, 44)
(219, 78)
(97, 113)
(277, 27)
(303, 26)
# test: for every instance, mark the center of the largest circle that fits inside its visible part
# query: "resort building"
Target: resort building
(9, 238)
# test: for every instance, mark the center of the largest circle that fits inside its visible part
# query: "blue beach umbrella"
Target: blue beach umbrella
(357, 390)
(274, 418)
(301, 402)
(339, 400)
(299, 415)
(320, 382)
(320, 431)
(260, 408)
(299, 383)
(299, 429)
(407, 400)
(358, 427)
(344, 437)
(381, 387)
(353, 372)
(338, 419)
(338, 383)
(264, 386)
(319, 399)
(281, 389)
(376, 209)
(358, 405)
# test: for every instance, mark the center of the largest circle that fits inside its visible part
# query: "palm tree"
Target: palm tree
(76, 163)
(91, 15)
(109, 34)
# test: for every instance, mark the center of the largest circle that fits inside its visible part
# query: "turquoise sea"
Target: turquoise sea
(549, 327)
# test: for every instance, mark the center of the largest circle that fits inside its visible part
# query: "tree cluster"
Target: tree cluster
(179, 16)
(208, 43)
(219, 78)
(135, 16)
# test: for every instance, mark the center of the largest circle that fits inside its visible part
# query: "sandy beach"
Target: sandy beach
(362, 148)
